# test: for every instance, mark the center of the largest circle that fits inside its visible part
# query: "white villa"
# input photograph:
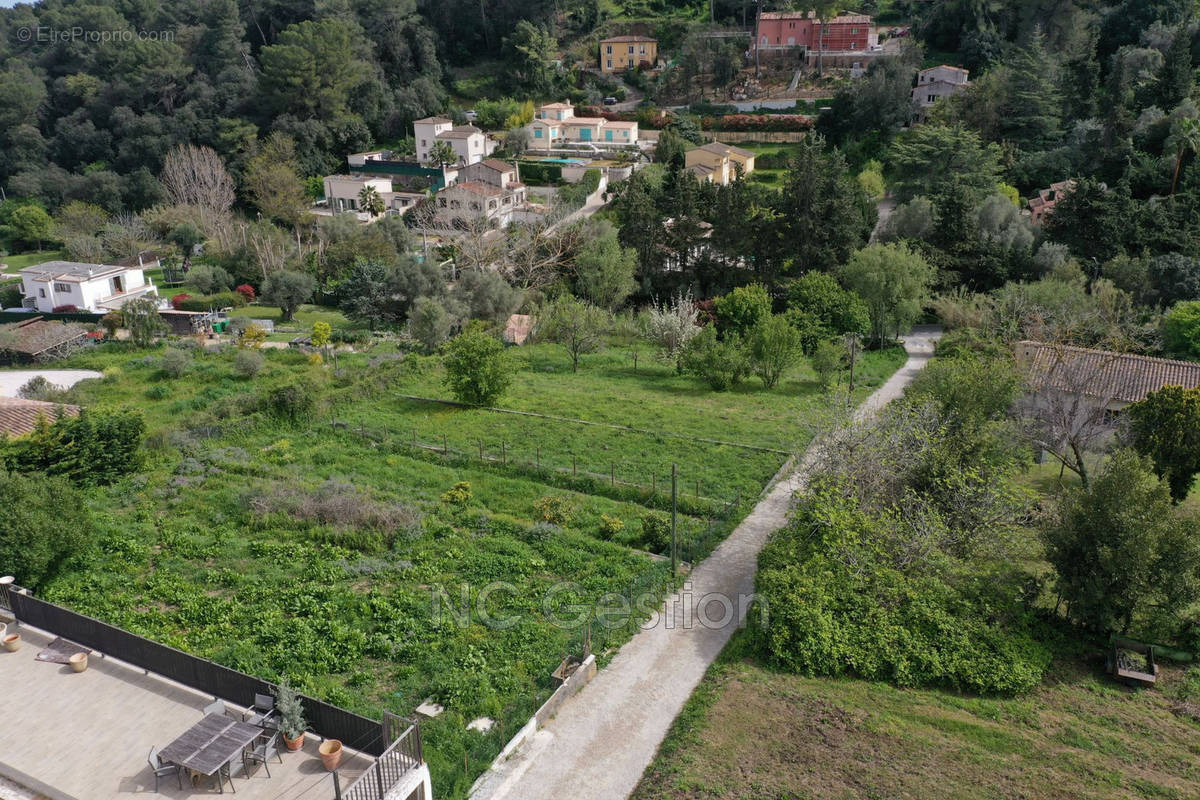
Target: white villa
(470, 144)
(342, 194)
(555, 124)
(489, 191)
(97, 288)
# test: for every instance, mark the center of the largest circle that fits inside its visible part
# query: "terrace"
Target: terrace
(87, 735)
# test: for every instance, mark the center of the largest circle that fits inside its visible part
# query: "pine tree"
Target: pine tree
(1032, 113)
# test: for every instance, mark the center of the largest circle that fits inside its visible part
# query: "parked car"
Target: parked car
(610, 101)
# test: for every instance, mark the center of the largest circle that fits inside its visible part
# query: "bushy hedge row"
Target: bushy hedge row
(539, 172)
(208, 302)
(757, 122)
(830, 615)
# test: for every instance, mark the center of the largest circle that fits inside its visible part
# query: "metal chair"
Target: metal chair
(162, 770)
(217, 707)
(266, 747)
(264, 712)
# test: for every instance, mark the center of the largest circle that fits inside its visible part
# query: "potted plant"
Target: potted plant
(78, 661)
(291, 716)
(12, 642)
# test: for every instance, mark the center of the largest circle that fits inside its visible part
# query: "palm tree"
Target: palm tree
(442, 153)
(370, 201)
(1187, 136)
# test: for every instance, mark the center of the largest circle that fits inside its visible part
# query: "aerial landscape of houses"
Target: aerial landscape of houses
(604, 399)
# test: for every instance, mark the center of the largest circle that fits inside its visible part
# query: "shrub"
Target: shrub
(210, 301)
(610, 527)
(69, 308)
(457, 495)
(350, 336)
(741, 310)
(176, 362)
(159, 391)
(94, 449)
(46, 526)
(209, 279)
(775, 346)
(554, 509)
(656, 532)
(294, 402)
(246, 291)
(142, 320)
(722, 363)
(178, 300)
(112, 322)
(252, 336)
(477, 369)
(1181, 330)
(828, 361)
(38, 388)
(247, 363)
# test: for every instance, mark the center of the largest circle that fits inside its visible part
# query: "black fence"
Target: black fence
(330, 722)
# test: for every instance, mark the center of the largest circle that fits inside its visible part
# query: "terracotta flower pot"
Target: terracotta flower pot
(12, 642)
(79, 661)
(331, 753)
(294, 744)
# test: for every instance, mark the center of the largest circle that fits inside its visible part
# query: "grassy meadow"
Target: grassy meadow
(319, 547)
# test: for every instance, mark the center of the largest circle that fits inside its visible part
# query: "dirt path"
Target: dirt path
(604, 738)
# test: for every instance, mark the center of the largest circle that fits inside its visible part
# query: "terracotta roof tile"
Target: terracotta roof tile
(1123, 377)
(19, 417)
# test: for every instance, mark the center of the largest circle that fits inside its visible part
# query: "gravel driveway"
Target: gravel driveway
(603, 739)
(12, 380)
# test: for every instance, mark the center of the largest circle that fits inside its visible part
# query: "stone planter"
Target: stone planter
(12, 642)
(78, 662)
(331, 753)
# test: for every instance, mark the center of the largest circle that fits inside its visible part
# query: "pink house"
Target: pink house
(1043, 205)
(787, 30)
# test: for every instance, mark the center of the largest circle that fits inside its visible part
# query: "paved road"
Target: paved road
(12, 380)
(604, 738)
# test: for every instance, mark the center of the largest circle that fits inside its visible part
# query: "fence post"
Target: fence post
(573, 465)
(538, 456)
(674, 508)
(446, 450)
(414, 446)
(697, 490)
(379, 780)
(481, 449)
(503, 453)
(337, 787)
(612, 473)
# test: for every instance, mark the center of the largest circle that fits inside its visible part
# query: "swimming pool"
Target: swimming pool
(570, 162)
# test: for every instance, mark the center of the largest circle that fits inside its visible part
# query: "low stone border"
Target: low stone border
(570, 687)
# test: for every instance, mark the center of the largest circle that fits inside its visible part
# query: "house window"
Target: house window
(932, 98)
(474, 206)
(424, 143)
(442, 202)
(610, 63)
(630, 49)
(608, 50)
(62, 287)
(41, 292)
(642, 50)
(537, 133)
(491, 203)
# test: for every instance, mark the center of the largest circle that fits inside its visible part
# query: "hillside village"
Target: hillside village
(647, 399)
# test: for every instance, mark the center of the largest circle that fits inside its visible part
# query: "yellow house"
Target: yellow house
(626, 52)
(717, 162)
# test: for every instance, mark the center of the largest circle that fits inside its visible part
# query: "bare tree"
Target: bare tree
(272, 247)
(672, 325)
(1066, 408)
(196, 176)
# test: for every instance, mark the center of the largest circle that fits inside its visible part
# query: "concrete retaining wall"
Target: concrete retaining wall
(570, 687)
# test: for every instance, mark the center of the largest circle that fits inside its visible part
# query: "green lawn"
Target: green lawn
(315, 551)
(751, 732)
(22, 260)
(305, 316)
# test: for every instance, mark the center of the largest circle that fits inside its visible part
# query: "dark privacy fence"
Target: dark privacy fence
(328, 721)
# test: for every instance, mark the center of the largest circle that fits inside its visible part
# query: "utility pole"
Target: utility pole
(674, 510)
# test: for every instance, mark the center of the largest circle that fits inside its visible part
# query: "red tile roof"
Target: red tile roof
(629, 38)
(19, 417)
(1122, 377)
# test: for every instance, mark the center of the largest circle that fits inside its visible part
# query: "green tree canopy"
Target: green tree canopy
(926, 159)
(1166, 427)
(477, 368)
(894, 282)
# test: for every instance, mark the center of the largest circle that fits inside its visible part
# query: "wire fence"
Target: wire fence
(617, 481)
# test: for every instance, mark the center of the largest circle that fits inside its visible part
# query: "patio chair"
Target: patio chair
(217, 707)
(263, 750)
(162, 770)
(264, 715)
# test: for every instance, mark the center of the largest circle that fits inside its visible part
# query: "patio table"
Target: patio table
(210, 744)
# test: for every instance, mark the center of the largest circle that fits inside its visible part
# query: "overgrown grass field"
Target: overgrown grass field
(315, 550)
(750, 732)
